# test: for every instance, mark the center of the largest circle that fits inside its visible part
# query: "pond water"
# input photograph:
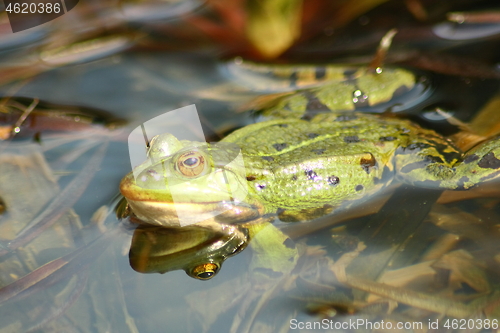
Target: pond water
(65, 265)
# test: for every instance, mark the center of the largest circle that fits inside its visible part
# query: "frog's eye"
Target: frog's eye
(205, 271)
(191, 164)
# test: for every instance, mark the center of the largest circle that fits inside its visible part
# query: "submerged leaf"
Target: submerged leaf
(464, 269)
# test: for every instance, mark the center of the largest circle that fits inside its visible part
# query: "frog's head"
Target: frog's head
(192, 181)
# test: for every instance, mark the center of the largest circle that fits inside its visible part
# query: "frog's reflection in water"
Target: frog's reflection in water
(198, 249)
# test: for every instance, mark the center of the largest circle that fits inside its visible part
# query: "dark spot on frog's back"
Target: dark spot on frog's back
(312, 135)
(359, 187)
(314, 104)
(250, 178)
(351, 139)
(311, 174)
(367, 162)
(489, 161)
(268, 158)
(280, 146)
(387, 138)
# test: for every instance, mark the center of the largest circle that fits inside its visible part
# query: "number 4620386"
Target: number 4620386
(32, 8)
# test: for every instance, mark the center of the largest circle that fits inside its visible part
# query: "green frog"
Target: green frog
(315, 153)
(306, 164)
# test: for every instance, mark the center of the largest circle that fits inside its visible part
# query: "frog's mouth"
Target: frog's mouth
(157, 207)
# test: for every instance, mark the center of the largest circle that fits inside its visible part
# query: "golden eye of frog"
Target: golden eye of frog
(306, 163)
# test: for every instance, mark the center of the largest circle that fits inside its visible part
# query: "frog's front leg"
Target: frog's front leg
(436, 165)
(274, 253)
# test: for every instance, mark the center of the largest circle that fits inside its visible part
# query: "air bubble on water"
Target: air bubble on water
(359, 96)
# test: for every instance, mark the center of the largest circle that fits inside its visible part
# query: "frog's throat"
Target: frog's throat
(180, 214)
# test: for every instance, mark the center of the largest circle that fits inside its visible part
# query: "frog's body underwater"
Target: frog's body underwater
(304, 162)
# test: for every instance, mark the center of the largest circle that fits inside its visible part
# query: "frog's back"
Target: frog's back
(338, 155)
(308, 160)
